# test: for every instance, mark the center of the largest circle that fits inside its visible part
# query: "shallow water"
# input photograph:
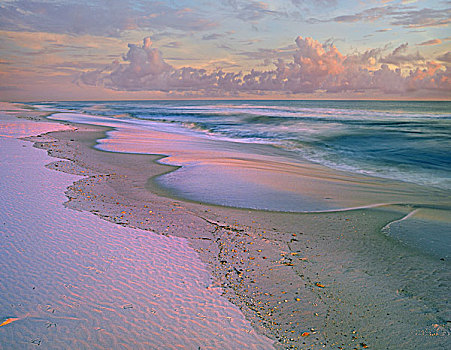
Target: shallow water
(71, 280)
(262, 176)
(405, 140)
(254, 176)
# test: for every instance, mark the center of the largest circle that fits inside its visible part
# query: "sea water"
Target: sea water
(401, 150)
(402, 140)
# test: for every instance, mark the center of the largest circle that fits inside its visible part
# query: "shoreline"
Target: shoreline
(261, 177)
(288, 272)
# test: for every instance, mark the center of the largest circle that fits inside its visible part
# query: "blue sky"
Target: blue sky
(67, 49)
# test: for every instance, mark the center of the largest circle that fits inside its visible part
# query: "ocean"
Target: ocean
(401, 140)
(294, 156)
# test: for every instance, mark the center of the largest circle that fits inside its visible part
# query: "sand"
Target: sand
(70, 280)
(317, 280)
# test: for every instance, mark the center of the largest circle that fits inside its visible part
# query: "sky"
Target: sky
(281, 49)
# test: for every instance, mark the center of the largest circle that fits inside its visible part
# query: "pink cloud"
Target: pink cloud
(431, 77)
(315, 67)
(430, 42)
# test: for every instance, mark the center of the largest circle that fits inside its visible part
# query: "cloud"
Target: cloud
(162, 16)
(405, 16)
(422, 18)
(446, 57)
(250, 10)
(430, 42)
(314, 67)
(261, 53)
(368, 15)
(173, 45)
(431, 77)
(320, 3)
(97, 17)
(308, 5)
(38, 51)
(213, 36)
(399, 56)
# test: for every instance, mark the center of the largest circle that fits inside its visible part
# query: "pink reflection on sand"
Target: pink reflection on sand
(23, 129)
(72, 280)
(235, 164)
(305, 179)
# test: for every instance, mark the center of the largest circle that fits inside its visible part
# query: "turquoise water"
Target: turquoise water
(407, 141)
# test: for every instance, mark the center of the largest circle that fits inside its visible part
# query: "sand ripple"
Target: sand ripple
(72, 280)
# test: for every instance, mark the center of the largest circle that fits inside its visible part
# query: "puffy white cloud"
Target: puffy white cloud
(145, 71)
(314, 67)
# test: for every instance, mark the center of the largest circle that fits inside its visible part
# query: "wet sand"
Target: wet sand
(306, 280)
(246, 175)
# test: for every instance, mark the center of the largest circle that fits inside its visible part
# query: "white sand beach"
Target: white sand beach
(70, 280)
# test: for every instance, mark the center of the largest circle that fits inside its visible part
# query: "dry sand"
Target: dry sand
(318, 280)
(70, 280)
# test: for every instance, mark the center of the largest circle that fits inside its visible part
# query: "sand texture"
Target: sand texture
(73, 281)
